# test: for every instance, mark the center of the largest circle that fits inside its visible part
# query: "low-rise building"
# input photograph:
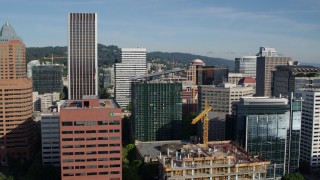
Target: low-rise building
(215, 160)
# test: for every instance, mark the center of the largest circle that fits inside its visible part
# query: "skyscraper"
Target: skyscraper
(246, 65)
(47, 78)
(82, 55)
(16, 123)
(287, 79)
(310, 129)
(157, 110)
(265, 66)
(133, 64)
(222, 98)
(270, 128)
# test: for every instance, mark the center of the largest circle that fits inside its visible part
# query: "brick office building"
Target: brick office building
(90, 139)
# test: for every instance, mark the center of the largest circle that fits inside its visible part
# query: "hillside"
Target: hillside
(109, 54)
(186, 58)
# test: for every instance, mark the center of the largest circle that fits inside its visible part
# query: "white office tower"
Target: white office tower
(310, 128)
(246, 65)
(133, 64)
(267, 52)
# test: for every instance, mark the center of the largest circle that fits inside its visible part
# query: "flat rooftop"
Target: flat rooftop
(77, 104)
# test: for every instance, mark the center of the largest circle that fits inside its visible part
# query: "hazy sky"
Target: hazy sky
(216, 28)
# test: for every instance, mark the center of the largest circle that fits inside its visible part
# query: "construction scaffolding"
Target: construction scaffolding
(219, 160)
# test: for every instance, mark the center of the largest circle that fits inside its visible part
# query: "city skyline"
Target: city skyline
(211, 28)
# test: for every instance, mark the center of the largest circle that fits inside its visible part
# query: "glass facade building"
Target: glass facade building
(270, 128)
(246, 65)
(156, 111)
(47, 78)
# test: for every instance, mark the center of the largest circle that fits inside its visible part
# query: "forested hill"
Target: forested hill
(186, 58)
(108, 55)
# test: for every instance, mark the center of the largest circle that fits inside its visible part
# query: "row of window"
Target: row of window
(89, 145)
(90, 123)
(91, 173)
(90, 160)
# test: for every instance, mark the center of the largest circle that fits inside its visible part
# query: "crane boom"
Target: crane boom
(201, 115)
(204, 115)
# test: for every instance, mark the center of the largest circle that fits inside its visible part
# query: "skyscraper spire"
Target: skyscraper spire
(7, 33)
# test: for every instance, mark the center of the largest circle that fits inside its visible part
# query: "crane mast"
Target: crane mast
(204, 115)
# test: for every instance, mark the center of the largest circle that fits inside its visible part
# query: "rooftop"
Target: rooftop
(77, 104)
(263, 101)
(7, 33)
(298, 69)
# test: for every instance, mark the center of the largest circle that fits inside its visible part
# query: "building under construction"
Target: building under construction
(217, 160)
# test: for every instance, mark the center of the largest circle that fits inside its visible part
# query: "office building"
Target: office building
(265, 66)
(310, 129)
(47, 78)
(222, 98)
(90, 139)
(267, 52)
(270, 128)
(133, 64)
(246, 65)
(211, 75)
(30, 66)
(287, 79)
(82, 55)
(50, 137)
(215, 160)
(234, 78)
(156, 110)
(108, 77)
(42, 102)
(16, 124)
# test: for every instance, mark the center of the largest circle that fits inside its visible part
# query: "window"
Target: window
(68, 123)
(91, 131)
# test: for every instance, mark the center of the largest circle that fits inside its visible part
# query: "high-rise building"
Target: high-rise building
(47, 78)
(133, 64)
(267, 52)
(265, 66)
(270, 128)
(287, 79)
(310, 129)
(50, 138)
(16, 123)
(156, 111)
(30, 66)
(246, 65)
(222, 98)
(82, 55)
(90, 139)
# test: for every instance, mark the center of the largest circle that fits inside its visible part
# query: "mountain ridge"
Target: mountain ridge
(108, 55)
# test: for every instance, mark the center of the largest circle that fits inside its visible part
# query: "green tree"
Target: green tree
(293, 176)
(65, 92)
(130, 166)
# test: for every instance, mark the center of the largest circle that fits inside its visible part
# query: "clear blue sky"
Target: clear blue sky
(216, 28)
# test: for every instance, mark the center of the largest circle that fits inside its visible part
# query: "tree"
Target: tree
(65, 92)
(293, 176)
(130, 167)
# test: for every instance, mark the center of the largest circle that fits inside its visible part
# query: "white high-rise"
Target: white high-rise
(246, 65)
(310, 128)
(133, 64)
(82, 55)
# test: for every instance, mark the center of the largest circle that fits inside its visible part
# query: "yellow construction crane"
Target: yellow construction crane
(204, 115)
(55, 57)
